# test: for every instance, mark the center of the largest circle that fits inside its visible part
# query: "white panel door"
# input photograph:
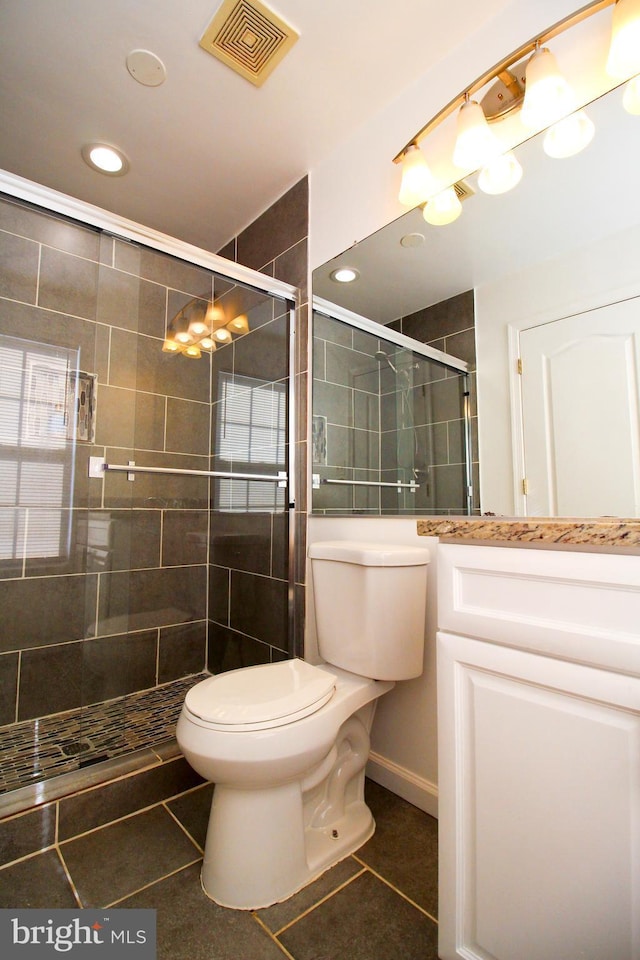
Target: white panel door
(581, 413)
(539, 807)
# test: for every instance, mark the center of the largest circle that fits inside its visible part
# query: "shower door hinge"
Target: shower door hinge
(524, 486)
(519, 365)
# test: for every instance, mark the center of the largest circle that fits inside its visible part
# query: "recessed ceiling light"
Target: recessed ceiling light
(105, 159)
(344, 274)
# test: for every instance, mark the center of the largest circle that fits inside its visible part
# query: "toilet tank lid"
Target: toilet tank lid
(369, 554)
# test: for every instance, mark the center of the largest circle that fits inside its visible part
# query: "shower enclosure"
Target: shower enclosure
(392, 422)
(146, 484)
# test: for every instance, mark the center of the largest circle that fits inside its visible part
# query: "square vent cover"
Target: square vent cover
(249, 37)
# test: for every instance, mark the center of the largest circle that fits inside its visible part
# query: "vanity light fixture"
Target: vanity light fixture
(344, 275)
(543, 96)
(198, 327)
(105, 159)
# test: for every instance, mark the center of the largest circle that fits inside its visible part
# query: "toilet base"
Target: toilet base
(258, 851)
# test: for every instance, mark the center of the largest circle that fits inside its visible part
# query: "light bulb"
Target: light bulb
(501, 174)
(417, 181)
(624, 52)
(193, 350)
(222, 335)
(568, 136)
(548, 97)
(183, 336)
(631, 96)
(341, 275)
(105, 158)
(170, 346)
(444, 208)
(207, 344)
(475, 143)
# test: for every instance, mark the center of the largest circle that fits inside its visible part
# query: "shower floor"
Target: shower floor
(37, 750)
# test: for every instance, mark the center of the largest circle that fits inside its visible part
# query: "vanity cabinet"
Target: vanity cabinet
(539, 754)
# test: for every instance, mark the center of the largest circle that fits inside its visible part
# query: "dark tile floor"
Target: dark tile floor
(379, 904)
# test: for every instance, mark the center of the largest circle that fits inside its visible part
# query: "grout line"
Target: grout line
(151, 883)
(68, 876)
(324, 899)
(272, 936)
(397, 890)
(182, 826)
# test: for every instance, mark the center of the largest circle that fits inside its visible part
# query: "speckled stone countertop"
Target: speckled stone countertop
(605, 533)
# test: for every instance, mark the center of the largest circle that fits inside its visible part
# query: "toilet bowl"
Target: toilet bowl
(288, 801)
(286, 743)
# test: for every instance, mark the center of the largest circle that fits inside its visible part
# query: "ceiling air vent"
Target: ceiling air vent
(463, 190)
(249, 38)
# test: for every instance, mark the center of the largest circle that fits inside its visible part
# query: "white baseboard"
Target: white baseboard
(406, 784)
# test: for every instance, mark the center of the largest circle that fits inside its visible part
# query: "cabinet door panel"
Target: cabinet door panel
(539, 806)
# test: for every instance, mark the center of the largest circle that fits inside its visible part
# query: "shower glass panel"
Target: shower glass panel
(120, 587)
(391, 427)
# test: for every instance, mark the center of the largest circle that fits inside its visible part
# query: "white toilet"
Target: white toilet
(286, 743)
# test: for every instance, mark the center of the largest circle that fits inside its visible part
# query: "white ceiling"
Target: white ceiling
(208, 150)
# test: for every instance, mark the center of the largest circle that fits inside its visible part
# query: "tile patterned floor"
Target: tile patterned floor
(36, 750)
(379, 904)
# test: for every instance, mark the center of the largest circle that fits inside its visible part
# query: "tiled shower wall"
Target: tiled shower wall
(275, 244)
(125, 607)
(450, 326)
(380, 426)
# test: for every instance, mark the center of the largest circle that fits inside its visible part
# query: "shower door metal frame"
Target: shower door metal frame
(121, 228)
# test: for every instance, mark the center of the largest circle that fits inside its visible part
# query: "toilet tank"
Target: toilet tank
(370, 603)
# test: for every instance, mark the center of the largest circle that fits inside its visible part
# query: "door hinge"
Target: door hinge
(519, 365)
(524, 486)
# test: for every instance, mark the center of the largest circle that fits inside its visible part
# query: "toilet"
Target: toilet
(286, 743)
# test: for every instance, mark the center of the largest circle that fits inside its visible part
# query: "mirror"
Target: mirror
(565, 243)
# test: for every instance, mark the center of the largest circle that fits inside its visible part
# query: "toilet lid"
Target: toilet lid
(267, 695)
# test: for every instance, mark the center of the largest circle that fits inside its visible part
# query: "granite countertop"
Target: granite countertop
(609, 533)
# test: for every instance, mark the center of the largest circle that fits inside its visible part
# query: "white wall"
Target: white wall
(403, 743)
(592, 276)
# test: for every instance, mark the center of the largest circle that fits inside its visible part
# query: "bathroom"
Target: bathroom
(398, 763)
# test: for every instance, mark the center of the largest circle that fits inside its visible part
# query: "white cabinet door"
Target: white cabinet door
(539, 800)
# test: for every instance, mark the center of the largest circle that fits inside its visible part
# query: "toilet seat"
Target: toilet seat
(260, 697)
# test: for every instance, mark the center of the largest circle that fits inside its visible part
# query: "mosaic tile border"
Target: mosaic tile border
(38, 750)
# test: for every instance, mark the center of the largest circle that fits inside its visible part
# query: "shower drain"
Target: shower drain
(75, 748)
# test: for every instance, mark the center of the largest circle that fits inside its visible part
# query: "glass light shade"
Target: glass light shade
(417, 181)
(198, 328)
(548, 97)
(444, 208)
(568, 136)
(631, 97)
(222, 335)
(170, 346)
(475, 143)
(501, 174)
(624, 52)
(239, 324)
(183, 336)
(214, 317)
(193, 350)
(207, 344)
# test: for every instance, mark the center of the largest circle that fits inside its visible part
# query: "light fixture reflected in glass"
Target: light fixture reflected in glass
(548, 96)
(239, 324)
(501, 174)
(475, 144)
(444, 208)
(199, 326)
(417, 183)
(222, 335)
(568, 136)
(631, 96)
(171, 346)
(193, 350)
(344, 275)
(624, 51)
(207, 344)
(105, 159)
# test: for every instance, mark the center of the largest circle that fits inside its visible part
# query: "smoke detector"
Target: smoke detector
(249, 37)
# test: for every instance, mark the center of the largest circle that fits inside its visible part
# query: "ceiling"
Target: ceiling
(208, 150)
